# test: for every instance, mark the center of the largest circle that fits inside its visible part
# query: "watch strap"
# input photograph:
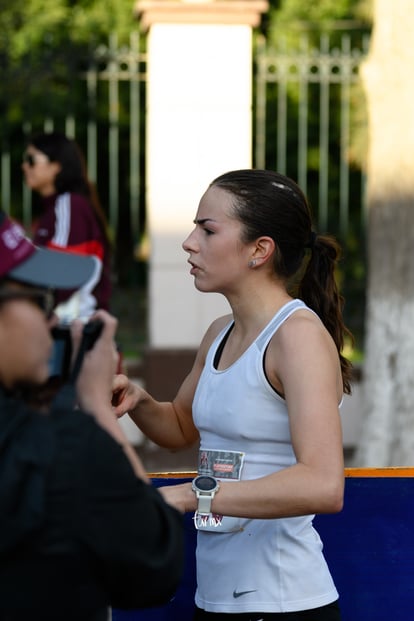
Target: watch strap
(204, 503)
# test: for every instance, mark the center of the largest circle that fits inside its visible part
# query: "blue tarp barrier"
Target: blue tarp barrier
(369, 548)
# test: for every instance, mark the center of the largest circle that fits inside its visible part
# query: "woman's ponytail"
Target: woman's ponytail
(319, 290)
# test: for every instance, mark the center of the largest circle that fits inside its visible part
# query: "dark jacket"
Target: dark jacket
(78, 530)
(74, 227)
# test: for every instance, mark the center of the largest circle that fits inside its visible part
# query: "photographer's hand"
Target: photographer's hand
(94, 383)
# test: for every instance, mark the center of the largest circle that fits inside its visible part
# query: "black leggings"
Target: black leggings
(330, 612)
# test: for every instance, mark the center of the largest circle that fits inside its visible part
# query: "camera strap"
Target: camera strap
(77, 365)
(66, 396)
(91, 332)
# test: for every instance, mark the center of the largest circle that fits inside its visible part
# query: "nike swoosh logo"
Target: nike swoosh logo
(240, 593)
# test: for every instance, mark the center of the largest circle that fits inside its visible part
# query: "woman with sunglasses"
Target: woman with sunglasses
(80, 527)
(72, 218)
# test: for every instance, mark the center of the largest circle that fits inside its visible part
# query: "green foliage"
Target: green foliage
(321, 15)
(289, 19)
(318, 12)
(43, 45)
(28, 25)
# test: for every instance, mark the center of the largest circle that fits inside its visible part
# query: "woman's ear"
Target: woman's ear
(264, 249)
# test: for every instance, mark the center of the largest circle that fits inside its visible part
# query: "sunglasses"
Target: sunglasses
(32, 159)
(44, 299)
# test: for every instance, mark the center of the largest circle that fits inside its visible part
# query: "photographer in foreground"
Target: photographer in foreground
(81, 529)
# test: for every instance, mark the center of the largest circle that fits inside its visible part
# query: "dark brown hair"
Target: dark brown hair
(268, 203)
(73, 175)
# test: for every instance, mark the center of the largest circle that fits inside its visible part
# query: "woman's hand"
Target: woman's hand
(125, 395)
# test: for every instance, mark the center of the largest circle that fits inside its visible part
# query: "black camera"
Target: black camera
(61, 358)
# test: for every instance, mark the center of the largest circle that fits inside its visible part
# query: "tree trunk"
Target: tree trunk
(387, 437)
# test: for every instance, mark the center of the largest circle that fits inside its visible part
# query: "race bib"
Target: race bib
(221, 465)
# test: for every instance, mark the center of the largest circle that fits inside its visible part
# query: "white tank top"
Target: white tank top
(251, 565)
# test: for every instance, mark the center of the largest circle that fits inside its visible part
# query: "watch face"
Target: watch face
(205, 483)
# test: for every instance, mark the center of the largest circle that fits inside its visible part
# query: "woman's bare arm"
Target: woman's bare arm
(168, 424)
(303, 361)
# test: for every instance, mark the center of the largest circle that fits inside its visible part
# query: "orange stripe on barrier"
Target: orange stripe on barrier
(398, 471)
(172, 475)
(379, 472)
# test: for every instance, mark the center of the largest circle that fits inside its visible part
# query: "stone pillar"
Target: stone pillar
(198, 124)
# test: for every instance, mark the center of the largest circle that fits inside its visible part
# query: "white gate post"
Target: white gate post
(198, 125)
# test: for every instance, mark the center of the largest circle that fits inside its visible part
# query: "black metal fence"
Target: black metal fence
(310, 123)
